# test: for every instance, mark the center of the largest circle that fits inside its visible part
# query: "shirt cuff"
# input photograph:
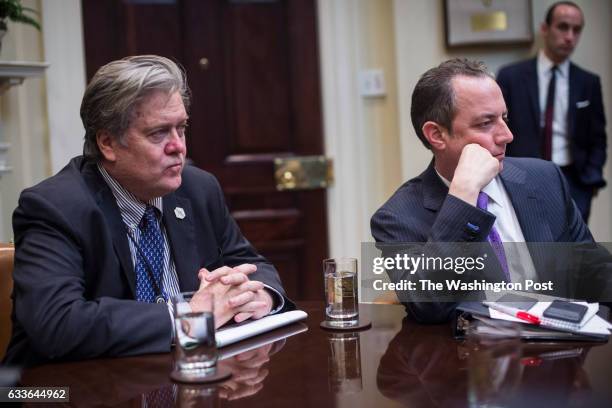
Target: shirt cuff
(171, 311)
(278, 300)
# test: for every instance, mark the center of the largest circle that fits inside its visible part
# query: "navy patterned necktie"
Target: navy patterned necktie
(494, 238)
(151, 245)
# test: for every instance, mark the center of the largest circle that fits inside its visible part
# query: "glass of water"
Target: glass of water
(196, 347)
(341, 303)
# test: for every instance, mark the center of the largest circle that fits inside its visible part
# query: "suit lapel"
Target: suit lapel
(531, 81)
(181, 234)
(528, 205)
(530, 211)
(108, 205)
(574, 82)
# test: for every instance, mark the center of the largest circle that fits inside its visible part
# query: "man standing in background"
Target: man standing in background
(555, 108)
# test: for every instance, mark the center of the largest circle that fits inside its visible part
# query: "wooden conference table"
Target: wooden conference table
(395, 363)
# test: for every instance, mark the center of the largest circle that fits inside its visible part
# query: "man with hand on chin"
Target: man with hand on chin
(102, 246)
(470, 192)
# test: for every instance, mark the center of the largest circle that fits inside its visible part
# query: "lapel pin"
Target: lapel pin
(179, 212)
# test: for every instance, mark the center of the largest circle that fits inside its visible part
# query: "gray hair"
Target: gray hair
(433, 98)
(116, 90)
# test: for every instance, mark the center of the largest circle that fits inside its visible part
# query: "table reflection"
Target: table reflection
(425, 366)
(195, 395)
(344, 363)
(144, 380)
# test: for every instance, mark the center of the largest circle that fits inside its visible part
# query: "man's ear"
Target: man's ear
(435, 134)
(544, 28)
(107, 145)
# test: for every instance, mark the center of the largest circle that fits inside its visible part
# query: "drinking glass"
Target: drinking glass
(196, 348)
(341, 294)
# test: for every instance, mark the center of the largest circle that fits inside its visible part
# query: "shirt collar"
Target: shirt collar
(493, 189)
(131, 208)
(545, 65)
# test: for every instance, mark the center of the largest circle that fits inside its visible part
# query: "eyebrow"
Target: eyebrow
(164, 124)
(486, 116)
(489, 116)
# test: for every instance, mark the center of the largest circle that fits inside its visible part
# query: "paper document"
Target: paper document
(252, 328)
(590, 324)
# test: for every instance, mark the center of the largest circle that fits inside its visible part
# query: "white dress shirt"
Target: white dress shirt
(561, 155)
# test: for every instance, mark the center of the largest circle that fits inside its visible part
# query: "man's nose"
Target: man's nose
(176, 144)
(505, 135)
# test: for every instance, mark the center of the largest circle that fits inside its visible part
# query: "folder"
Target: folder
(467, 312)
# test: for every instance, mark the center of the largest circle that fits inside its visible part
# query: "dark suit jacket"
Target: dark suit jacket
(586, 119)
(74, 278)
(421, 210)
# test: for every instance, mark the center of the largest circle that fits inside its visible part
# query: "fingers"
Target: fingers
(245, 269)
(244, 293)
(234, 279)
(254, 309)
(241, 299)
(218, 273)
(202, 274)
(242, 316)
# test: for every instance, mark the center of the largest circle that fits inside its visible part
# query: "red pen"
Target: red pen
(511, 311)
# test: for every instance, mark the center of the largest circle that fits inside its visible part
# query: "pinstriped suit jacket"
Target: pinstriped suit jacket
(421, 210)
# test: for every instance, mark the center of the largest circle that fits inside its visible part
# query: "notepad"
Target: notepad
(590, 323)
(250, 328)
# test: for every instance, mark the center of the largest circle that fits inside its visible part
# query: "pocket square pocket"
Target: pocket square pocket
(582, 104)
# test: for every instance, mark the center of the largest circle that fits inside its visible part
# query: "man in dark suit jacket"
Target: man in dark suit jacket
(85, 282)
(577, 121)
(459, 113)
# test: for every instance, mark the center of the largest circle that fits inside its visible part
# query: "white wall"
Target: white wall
(419, 31)
(41, 117)
(361, 134)
(64, 51)
(23, 121)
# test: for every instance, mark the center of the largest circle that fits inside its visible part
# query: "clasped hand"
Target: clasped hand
(235, 295)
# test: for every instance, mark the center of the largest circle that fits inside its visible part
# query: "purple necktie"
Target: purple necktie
(493, 238)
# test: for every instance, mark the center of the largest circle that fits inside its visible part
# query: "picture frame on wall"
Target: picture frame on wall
(482, 22)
